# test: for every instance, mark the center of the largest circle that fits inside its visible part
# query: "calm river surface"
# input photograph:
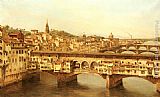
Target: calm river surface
(89, 85)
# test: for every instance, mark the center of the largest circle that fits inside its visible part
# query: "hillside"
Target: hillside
(61, 33)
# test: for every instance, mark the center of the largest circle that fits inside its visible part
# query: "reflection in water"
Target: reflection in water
(89, 85)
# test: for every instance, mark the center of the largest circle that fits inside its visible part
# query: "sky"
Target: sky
(91, 17)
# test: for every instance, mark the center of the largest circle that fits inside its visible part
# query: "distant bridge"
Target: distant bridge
(135, 48)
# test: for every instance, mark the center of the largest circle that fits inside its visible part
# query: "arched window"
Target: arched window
(0, 61)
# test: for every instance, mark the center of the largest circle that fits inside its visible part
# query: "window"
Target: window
(13, 60)
(9, 59)
(16, 52)
(20, 52)
(51, 59)
(157, 64)
(0, 61)
(142, 72)
(19, 59)
(13, 52)
(22, 58)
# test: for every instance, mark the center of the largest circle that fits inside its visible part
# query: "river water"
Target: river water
(89, 85)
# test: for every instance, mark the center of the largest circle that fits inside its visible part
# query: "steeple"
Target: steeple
(111, 36)
(47, 27)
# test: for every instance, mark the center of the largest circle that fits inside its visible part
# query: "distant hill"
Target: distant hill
(61, 33)
(8, 29)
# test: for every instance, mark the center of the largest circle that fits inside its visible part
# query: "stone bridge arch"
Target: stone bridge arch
(132, 48)
(64, 79)
(85, 65)
(154, 49)
(85, 61)
(110, 52)
(112, 81)
(116, 80)
(93, 65)
(128, 52)
(142, 48)
(148, 53)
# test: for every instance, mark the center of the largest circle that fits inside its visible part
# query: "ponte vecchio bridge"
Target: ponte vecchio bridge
(112, 67)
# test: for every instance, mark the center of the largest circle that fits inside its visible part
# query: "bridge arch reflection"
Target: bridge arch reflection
(91, 79)
(138, 84)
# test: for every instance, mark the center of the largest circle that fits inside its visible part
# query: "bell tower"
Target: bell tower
(47, 27)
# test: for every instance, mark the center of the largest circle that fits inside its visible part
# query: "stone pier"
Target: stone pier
(158, 86)
(113, 81)
(31, 76)
(66, 79)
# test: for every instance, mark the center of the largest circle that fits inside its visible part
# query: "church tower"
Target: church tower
(47, 27)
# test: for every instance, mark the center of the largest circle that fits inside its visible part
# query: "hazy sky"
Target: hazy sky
(94, 17)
